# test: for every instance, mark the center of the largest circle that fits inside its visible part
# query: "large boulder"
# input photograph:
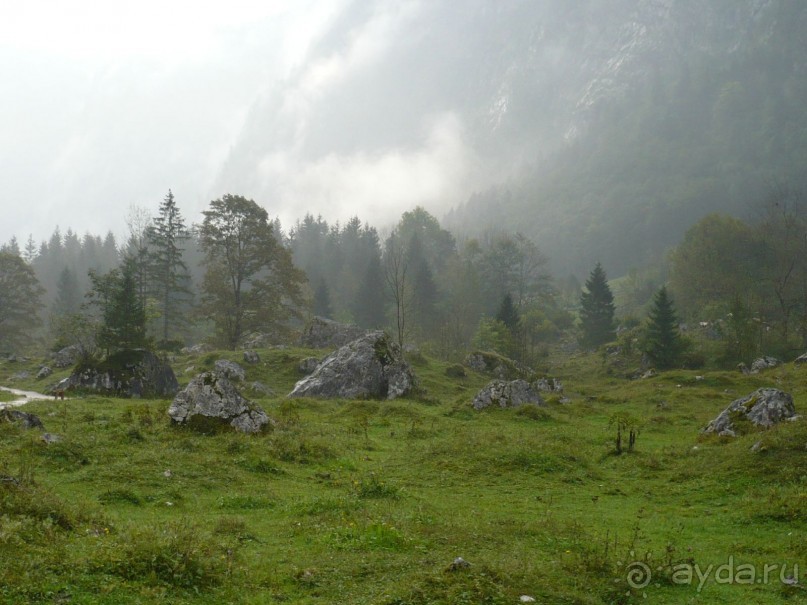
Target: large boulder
(369, 367)
(210, 401)
(763, 408)
(507, 394)
(132, 373)
(66, 357)
(323, 333)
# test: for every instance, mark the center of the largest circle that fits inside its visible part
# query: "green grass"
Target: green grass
(371, 502)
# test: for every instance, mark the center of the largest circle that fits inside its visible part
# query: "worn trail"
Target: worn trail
(23, 397)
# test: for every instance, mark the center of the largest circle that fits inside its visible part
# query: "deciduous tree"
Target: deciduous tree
(250, 282)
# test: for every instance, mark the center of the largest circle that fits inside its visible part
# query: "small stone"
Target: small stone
(50, 438)
(251, 357)
(526, 599)
(44, 372)
(757, 447)
(459, 563)
(168, 474)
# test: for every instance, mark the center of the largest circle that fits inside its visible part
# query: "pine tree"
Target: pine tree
(597, 310)
(663, 343)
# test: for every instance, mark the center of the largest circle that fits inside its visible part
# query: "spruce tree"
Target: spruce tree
(663, 343)
(597, 310)
(369, 302)
(322, 300)
(168, 273)
(508, 314)
(124, 318)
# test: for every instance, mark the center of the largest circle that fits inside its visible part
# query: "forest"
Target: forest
(736, 289)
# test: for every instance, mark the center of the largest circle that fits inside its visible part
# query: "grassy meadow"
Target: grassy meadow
(372, 501)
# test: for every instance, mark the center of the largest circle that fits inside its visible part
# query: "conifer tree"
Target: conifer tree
(597, 310)
(508, 314)
(322, 300)
(124, 319)
(169, 274)
(368, 305)
(663, 343)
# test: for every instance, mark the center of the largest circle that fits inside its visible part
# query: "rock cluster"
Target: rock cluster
(369, 367)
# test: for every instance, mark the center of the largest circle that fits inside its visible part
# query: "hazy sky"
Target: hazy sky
(108, 104)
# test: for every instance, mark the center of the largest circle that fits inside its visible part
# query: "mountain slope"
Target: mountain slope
(601, 129)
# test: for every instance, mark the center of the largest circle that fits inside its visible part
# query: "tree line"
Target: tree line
(237, 273)
(740, 287)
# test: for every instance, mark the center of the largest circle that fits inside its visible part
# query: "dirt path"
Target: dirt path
(23, 397)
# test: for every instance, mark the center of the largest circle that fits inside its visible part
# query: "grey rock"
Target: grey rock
(136, 373)
(743, 369)
(506, 394)
(496, 365)
(251, 356)
(258, 388)
(256, 340)
(50, 438)
(763, 363)
(197, 349)
(210, 399)
(308, 365)
(24, 419)
(369, 367)
(459, 563)
(20, 376)
(764, 408)
(230, 370)
(801, 359)
(548, 385)
(44, 372)
(322, 333)
(66, 357)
